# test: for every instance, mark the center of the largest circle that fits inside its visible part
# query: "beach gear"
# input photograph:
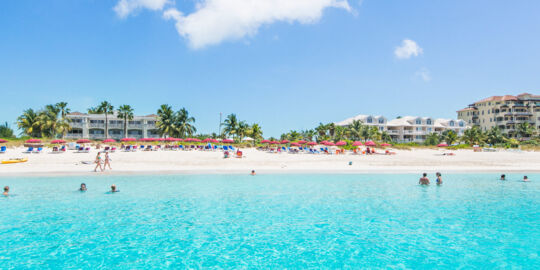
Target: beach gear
(14, 160)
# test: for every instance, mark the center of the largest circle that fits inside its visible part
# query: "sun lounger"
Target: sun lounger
(113, 149)
(29, 150)
(37, 150)
(3, 150)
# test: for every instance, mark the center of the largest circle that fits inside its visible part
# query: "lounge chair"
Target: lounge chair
(3, 150)
(62, 149)
(29, 150)
(113, 149)
(37, 150)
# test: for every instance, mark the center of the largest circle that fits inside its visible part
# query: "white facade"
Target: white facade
(92, 126)
(410, 128)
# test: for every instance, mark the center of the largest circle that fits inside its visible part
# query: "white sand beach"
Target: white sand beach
(164, 162)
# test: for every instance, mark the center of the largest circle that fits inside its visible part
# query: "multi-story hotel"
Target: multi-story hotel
(409, 128)
(92, 126)
(505, 112)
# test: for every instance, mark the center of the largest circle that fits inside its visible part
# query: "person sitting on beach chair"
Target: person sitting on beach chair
(239, 154)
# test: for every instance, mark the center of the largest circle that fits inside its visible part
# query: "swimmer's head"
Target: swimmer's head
(83, 185)
(113, 187)
(503, 176)
(424, 174)
(438, 174)
(6, 189)
(525, 177)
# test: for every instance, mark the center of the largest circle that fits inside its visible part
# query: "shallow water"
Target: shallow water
(271, 221)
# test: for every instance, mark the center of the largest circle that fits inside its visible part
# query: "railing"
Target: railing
(135, 126)
(96, 125)
(97, 136)
(73, 136)
(120, 126)
(77, 125)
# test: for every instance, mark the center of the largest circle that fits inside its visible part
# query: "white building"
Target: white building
(92, 126)
(410, 128)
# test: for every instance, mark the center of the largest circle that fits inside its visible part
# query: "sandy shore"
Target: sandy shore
(172, 162)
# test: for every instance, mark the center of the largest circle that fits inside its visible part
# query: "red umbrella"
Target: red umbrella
(214, 141)
(265, 141)
(302, 142)
(341, 143)
(311, 143)
(385, 144)
(357, 143)
(295, 144)
(330, 144)
(206, 140)
(83, 141)
(58, 141)
(109, 140)
(128, 139)
(33, 141)
(370, 143)
(274, 142)
(195, 140)
(228, 141)
(442, 145)
(3, 141)
(178, 140)
(285, 141)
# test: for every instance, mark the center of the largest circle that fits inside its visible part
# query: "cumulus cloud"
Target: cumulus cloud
(125, 7)
(423, 74)
(408, 49)
(215, 21)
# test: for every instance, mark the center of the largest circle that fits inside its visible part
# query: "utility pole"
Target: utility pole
(220, 115)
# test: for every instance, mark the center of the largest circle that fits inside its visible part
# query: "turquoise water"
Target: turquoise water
(271, 221)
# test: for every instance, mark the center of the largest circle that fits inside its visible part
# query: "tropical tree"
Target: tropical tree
(307, 134)
(165, 124)
(255, 132)
(125, 112)
(385, 137)
(524, 130)
(230, 124)
(242, 129)
(449, 136)
(340, 133)
(184, 124)
(495, 136)
(104, 108)
(64, 110)
(28, 122)
(374, 134)
(473, 135)
(6, 131)
(355, 130)
(432, 139)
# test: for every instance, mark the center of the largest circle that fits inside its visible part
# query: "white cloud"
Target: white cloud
(407, 49)
(423, 74)
(215, 21)
(125, 7)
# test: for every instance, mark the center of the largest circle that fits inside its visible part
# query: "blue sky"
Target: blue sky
(283, 67)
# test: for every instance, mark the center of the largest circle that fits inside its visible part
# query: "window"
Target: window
(461, 124)
(76, 120)
(381, 121)
(428, 121)
(97, 131)
(451, 123)
(135, 132)
(418, 121)
(429, 129)
(75, 131)
(97, 121)
(370, 120)
(116, 122)
(135, 122)
(115, 132)
(151, 122)
(381, 128)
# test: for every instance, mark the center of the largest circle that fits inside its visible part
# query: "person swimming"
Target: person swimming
(424, 180)
(439, 178)
(83, 187)
(525, 179)
(113, 188)
(6, 191)
(503, 177)
(252, 172)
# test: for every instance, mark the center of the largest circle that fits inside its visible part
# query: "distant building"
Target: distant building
(92, 126)
(409, 128)
(505, 112)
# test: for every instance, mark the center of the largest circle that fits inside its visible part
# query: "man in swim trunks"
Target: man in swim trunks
(6, 191)
(424, 180)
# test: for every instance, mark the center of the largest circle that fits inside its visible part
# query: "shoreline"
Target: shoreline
(414, 161)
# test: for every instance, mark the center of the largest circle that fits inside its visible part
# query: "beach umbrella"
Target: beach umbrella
(295, 144)
(265, 141)
(357, 143)
(206, 140)
(274, 142)
(311, 143)
(302, 142)
(128, 139)
(3, 141)
(370, 143)
(385, 144)
(195, 140)
(341, 143)
(214, 141)
(33, 141)
(330, 144)
(228, 141)
(442, 145)
(83, 141)
(109, 140)
(285, 141)
(58, 141)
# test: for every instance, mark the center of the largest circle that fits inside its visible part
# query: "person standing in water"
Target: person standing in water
(83, 187)
(113, 188)
(98, 162)
(503, 177)
(6, 191)
(107, 161)
(525, 179)
(252, 172)
(424, 180)
(439, 179)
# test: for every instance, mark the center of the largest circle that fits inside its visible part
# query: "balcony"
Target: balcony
(96, 136)
(135, 126)
(96, 125)
(77, 124)
(73, 136)
(115, 126)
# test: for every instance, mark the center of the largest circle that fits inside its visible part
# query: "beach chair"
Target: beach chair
(37, 150)
(3, 150)
(113, 149)
(29, 150)
(62, 149)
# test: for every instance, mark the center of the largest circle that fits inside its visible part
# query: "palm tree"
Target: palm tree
(231, 124)
(495, 136)
(449, 136)
(104, 108)
(184, 123)
(6, 131)
(166, 121)
(432, 139)
(29, 124)
(374, 134)
(473, 135)
(125, 112)
(355, 129)
(242, 130)
(524, 130)
(48, 121)
(64, 110)
(385, 137)
(255, 132)
(307, 134)
(340, 133)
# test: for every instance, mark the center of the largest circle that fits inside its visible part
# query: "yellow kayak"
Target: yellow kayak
(14, 160)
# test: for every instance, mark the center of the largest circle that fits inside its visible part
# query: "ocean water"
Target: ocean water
(271, 221)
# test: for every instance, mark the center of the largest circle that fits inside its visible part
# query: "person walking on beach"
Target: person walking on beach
(6, 191)
(107, 161)
(439, 178)
(424, 180)
(98, 162)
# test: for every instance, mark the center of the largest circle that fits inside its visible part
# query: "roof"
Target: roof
(498, 98)
(467, 109)
(361, 117)
(76, 113)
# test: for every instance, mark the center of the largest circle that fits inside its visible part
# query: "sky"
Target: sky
(284, 64)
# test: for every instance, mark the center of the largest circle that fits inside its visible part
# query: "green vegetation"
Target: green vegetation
(241, 129)
(175, 124)
(6, 131)
(49, 122)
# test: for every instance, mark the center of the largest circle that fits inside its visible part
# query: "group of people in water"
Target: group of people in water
(113, 188)
(424, 180)
(102, 164)
(525, 178)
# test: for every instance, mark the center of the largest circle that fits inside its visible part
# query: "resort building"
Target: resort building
(409, 128)
(92, 126)
(505, 112)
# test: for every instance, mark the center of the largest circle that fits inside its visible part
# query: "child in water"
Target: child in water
(439, 178)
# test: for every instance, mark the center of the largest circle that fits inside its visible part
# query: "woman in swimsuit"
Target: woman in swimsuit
(439, 179)
(98, 162)
(107, 161)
